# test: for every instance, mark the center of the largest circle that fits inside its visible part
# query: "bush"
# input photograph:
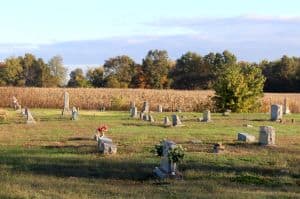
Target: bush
(239, 88)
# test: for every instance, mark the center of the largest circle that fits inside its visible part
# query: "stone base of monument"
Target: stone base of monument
(245, 137)
(164, 175)
(106, 146)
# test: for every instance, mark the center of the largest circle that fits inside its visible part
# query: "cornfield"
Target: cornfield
(119, 99)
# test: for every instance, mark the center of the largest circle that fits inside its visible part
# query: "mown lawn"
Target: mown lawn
(57, 158)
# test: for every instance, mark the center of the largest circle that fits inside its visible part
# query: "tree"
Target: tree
(11, 72)
(77, 79)
(239, 88)
(190, 72)
(58, 70)
(95, 77)
(121, 69)
(156, 67)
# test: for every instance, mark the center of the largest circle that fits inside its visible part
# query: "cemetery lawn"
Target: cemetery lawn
(57, 158)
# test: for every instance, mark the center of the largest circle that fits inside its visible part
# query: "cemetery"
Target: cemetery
(148, 152)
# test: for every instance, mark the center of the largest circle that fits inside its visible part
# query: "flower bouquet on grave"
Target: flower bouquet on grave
(100, 131)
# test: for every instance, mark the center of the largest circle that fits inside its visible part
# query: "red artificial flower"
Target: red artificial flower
(102, 128)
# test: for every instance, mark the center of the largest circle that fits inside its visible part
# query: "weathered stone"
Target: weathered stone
(286, 109)
(167, 168)
(219, 147)
(267, 135)
(159, 108)
(142, 115)
(176, 121)
(145, 108)
(16, 104)
(151, 119)
(245, 137)
(167, 121)
(66, 103)
(74, 113)
(134, 112)
(29, 118)
(206, 116)
(276, 112)
(146, 117)
(106, 146)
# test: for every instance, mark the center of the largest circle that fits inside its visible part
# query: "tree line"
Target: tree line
(157, 71)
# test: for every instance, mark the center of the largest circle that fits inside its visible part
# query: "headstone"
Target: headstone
(159, 108)
(141, 115)
(167, 168)
(206, 116)
(146, 117)
(29, 118)
(167, 121)
(66, 103)
(134, 113)
(245, 137)
(106, 146)
(267, 135)
(145, 108)
(218, 148)
(132, 105)
(176, 121)
(74, 113)
(151, 119)
(276, 112)
(16, 104)
(286, 109)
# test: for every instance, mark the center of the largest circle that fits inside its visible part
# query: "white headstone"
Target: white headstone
(159, 108)
(29, 118)
(106, 146)
(134, 113)
(206, 116)
(167, 121)
(145, 108)
(286, 109)
(267, 135)
(66, 102)
(151, 119)
(74, 113)
(276, 112)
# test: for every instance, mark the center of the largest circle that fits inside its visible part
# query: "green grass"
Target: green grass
(57, 158)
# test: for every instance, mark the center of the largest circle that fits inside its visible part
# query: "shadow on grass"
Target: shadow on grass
(101, 167)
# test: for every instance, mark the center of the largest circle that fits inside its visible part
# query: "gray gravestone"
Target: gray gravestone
(146, 117)
(245, 137)
(267, 135)
(16, 104)
(276, 112)
(206, 116)
(151, 119)
(145, 108)
(29, 118)
(167, 121)
(159, 108)
(134, 113)
(142, 115)
(167, 167)
(286, 109)
(74, 113)
(176, 120)
(106, 146)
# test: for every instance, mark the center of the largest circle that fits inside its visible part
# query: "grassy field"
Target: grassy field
(56, 158)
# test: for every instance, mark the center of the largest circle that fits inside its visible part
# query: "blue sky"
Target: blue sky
(90, 31)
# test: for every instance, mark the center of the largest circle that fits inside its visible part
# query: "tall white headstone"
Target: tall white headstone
(66, 103)
(286, 109)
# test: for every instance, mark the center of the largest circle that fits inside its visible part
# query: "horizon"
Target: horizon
(87, 33)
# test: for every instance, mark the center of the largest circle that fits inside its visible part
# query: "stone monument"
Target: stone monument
(276, 112)
(266, 135)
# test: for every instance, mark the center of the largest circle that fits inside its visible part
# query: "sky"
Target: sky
(86, 33)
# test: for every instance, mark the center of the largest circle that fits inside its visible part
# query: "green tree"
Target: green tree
(77, 79)
(58, 70)
(11, 72)
(239, 88)
(95, 77)
(121, 69)
(156, 67)
(191, 72)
